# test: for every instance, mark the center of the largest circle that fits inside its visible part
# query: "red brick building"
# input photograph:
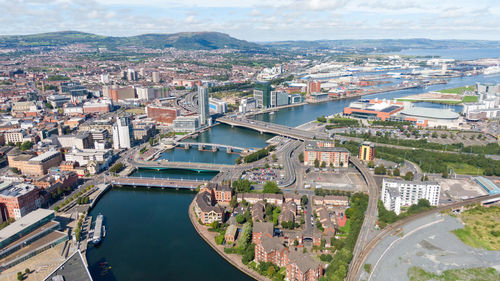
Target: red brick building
(162, 114)
(271, 250)
(328, 153)
(17, 200)
(261, 229)
(302, 267)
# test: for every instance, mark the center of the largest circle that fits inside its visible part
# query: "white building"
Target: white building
(122, 133)
(84, 156)
(397, 193)
(204, 107)
(186, 124)
(145, 93)
(218, 106)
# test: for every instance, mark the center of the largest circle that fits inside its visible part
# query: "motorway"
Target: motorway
(359, 259)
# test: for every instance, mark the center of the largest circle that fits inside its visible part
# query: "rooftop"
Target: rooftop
(435, 113)
(24, 223)
(73, 269)
(7, 189)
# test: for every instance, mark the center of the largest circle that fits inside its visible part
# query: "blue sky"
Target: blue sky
(260, 20)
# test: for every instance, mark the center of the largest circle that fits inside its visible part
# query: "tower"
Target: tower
(203, 104)
(122, 133)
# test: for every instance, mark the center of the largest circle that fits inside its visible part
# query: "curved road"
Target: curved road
(359, 259)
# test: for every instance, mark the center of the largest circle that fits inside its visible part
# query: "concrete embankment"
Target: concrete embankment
(233, 259)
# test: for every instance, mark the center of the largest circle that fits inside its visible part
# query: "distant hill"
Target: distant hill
(384, 44)
(184, 40)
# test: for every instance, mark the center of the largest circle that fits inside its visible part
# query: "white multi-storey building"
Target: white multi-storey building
(122, 133)
(397, 193)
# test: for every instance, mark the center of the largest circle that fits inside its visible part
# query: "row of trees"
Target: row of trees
(386, 217)
(259, 154)
(337, 270)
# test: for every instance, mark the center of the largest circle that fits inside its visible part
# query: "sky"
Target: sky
(259, 20)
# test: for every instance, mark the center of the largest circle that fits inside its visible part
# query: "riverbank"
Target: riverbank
(209, 237)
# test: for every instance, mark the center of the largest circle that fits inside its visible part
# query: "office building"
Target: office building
(17, 200)
(162, 114)
(325, 152)
(84, 156)
(218, 106)
(398, 193)
(187, 124)
(99, 106)
(262, 94)
(36, 166)
(122, 133)
(203, 106)
(278, 98)
(131, 75)
(366, 151)
(58, 100)
(156, 77)
(118, 93)
(81, 141)
(247, 105)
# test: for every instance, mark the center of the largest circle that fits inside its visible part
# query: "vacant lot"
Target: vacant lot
(459, 90)
(482, 228)
(466, 274)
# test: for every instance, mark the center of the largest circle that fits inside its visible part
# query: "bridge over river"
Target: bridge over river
(272, 128)
(157, 182)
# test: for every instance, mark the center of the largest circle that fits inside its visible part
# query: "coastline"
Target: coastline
(233, 259)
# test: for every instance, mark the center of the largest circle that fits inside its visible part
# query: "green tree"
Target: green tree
(240, 218)
(316, 163)
(368, 267)
(271, 187)
(396, 172)
(371, 164)
(445, 174)
(151, 141)
(323, 164)
(304, 200)
(274, 157)
(241, 186)
(26, 145)
(380, 170)
(20, 276)
(301, 157)
(409, 176)
(27, 271)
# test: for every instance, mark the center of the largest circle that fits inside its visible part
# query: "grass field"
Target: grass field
(482, 228)
(346, 228)
(465, 169)
(458, 90)
(465, 274)
(433, 101)
(136, 111)
(470, 99)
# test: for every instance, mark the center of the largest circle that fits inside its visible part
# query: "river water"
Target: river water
(149, 235)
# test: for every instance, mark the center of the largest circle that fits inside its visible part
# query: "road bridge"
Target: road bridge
(276, 129)
(157, 182)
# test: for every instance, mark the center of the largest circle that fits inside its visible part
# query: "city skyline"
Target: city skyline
(260, 21)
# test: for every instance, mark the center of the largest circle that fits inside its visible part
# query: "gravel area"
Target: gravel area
(427, 243)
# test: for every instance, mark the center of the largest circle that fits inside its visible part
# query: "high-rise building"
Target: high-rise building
(156, 77)
(122, 133)
(262, 94)
(131, 75)
(366, 151)
(204, 107)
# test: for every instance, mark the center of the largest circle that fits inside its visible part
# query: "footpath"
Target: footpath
(233, 259)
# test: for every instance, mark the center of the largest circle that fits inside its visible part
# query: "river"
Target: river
(149, 234)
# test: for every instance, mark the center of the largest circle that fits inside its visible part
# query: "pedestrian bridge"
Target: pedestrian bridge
(157, 182)
(194, 166)
(213, 146)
